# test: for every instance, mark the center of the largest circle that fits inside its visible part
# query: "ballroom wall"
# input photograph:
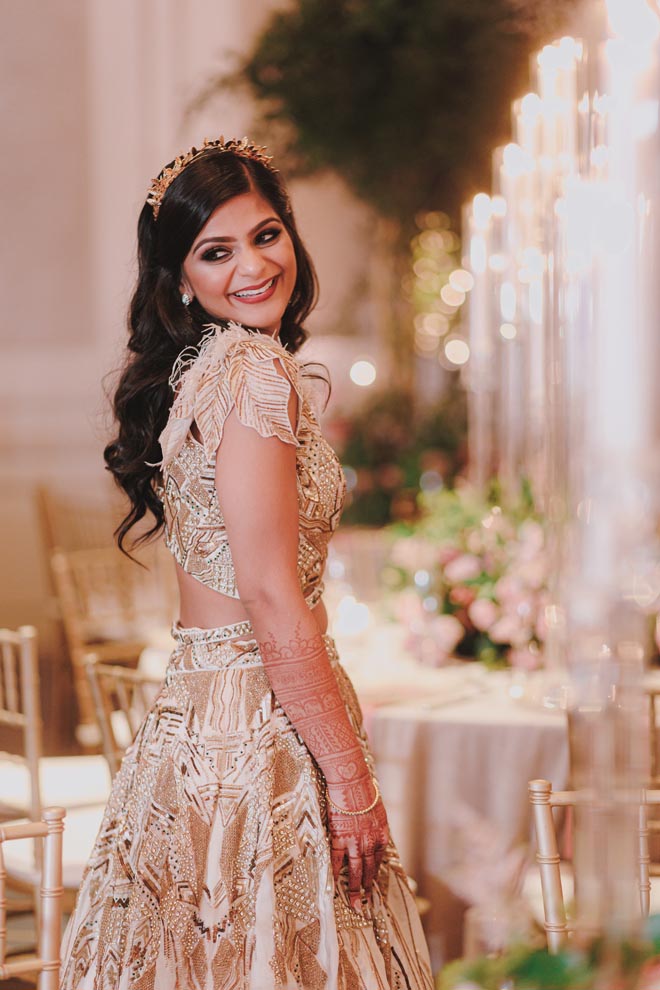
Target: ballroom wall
(94, 99)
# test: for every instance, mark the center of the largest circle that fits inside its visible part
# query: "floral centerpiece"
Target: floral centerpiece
(630, 965)
(469, 578)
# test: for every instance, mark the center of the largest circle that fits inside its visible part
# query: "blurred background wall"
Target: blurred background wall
(96, 97)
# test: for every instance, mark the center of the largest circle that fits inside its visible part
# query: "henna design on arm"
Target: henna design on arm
(305, 685)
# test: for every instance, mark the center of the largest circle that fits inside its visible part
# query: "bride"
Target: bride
(245, 844)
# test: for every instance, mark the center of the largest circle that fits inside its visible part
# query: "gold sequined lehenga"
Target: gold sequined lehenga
(211, 870)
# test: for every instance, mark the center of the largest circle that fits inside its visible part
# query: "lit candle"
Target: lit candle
(479, 373)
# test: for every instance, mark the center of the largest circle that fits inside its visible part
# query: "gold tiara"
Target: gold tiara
(244, 148)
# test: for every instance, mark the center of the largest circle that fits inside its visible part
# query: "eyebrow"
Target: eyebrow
(218, 240)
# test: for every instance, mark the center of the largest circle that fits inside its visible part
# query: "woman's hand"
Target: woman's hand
(362, 839)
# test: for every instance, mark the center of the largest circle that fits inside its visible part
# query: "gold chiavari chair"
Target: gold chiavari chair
(78, 520)
(29, 780)
(543, 799)
(108, 605)
(103, 600)
(122, 698)
(652, 695)
(20, 713)
(46, 961)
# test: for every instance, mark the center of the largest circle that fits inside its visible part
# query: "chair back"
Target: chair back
(122, 697)
(47, 959)
(652, 695)
(543, 799)
(78, 520)
(20, 712)
(108, 604)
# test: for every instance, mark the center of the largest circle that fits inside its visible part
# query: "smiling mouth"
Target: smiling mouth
(258, 291)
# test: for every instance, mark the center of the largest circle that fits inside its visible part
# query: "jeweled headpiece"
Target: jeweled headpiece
(244, 148)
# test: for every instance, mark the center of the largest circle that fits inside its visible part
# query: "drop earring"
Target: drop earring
(185, 299)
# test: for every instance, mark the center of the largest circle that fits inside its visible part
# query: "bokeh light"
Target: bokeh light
(457, 351)
(363, 373)
(452, 296)
(461, 280)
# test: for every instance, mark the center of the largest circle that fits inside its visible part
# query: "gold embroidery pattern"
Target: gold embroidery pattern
(241, 375)
(212, 865)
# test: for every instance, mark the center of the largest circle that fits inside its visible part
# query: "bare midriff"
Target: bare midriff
(202, 607)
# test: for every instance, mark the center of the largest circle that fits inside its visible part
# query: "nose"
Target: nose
(251, 261)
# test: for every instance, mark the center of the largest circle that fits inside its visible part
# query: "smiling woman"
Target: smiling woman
(242, 266)
(245, 842)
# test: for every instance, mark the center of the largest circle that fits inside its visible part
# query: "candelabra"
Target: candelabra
(564, 355)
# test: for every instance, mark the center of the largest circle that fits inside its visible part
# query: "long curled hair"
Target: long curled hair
(160, 326)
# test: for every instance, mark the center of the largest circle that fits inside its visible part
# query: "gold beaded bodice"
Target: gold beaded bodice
(236, 368)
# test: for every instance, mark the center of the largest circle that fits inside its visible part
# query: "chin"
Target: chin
(266, 320)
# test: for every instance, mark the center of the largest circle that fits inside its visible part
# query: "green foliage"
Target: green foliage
(404, 98)
(389, 447)
(531, 968)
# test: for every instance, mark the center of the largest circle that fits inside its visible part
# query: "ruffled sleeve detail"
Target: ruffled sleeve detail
(233, 369)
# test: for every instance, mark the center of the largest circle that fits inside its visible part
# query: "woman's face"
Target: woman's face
(242, 264)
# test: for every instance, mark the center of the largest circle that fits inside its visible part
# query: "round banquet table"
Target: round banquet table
(453, 745)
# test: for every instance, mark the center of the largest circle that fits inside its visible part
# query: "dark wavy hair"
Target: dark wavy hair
(160, 326)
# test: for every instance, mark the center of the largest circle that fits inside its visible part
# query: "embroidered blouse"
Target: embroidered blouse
(234, 368)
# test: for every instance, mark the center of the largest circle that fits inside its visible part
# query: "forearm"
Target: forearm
(297, 664)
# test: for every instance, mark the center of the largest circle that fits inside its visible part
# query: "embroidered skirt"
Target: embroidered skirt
(211, 870)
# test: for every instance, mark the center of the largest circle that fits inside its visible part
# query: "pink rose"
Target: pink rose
(531, 572)
(447, 553)
(483, 613)
(462, 595)
(509, 590)
(447, 632)
(463, 568)
(509, 629)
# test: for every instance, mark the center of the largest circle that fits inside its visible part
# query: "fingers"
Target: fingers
(369, 871)
(364, 844)
(337, 860)
(355, 881)
(379, 852)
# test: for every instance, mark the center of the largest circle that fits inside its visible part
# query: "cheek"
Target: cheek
(291, 266)
(212, 281)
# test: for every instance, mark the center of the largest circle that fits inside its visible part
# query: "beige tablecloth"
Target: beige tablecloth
(438, 764)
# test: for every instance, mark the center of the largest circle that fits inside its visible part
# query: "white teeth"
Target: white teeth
(255, 292)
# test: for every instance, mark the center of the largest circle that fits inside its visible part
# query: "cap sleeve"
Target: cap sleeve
(254, 375)
(250, 383)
